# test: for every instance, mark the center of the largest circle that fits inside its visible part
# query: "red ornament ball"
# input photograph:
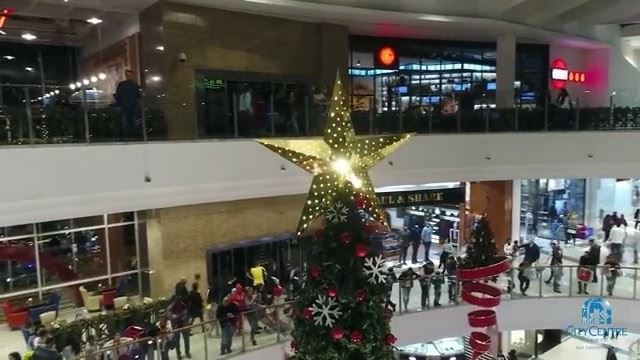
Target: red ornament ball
(356, 336)
(336, 333)
(307, 313)
(332, 291)
(314, 271)
(360, 202)
(390, 339)
(294, 346)
(346, 237)
(361, 295)
(361, 250)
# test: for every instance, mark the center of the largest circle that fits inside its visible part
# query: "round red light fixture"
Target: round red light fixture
(387, 56)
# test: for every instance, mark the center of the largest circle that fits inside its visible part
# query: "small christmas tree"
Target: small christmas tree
(341, 312)
(481, 250)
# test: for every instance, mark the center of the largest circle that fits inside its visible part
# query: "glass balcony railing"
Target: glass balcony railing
(78, 117)
(273, 324)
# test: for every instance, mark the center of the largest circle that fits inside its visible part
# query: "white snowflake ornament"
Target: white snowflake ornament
(376, 269)
(325, 311)
(337, 213)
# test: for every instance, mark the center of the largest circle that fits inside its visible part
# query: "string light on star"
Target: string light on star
(339, 159)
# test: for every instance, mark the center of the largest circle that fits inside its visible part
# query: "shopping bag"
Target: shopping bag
(585, 274)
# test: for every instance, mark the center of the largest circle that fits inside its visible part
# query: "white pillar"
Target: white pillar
(505, 70)
(516, 204)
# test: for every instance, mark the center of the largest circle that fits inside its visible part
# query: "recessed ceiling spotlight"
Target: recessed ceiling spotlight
(29, 69)
(2, 32)
(102, 76)
(160, 47)
(94, 79)
(9, 57)
(28, 36)
(94, 20)
(85, 81)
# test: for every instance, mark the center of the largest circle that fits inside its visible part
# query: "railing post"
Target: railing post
(399, 298)
(371, 113)
(539, 282)
(570, 282)
(235, 115)
(306, 115)
(611, 111)
(459, 120)
(29, 115)
(601, 281)
(635, 282)
(578, 114)
(272, 114)
(400, 120)
(430, 121)
(85, 114)
(546, 111)
(143, 120)
(517, 117)
(206, 343)
(244, 345)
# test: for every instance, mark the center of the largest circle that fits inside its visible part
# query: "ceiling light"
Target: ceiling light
(72, 86)
(85, 81)
(155, 78)
(102, 76)
(94, 78)
(160, 48)
(2, 32)
(28, 68)
(94, 20)
(78, 84)
(28, 36)
(57, 91)
(9, 57)
(436, 18)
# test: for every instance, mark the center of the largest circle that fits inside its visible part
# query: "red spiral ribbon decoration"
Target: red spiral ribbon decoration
(482, 295)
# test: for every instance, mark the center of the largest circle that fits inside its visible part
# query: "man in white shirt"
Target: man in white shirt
(616, 240)
(425, 237)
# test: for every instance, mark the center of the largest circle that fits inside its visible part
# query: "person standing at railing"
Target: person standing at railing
(450, 269)
(227, 313)
(178, 313)
(127, 98)
(611, 271)
(594, 257)
(406, 279)
(524, 276)
(556, 267)
(428, 269)
(437, 280)
(425, 237)
(251, 307)
(585, 274)
(616, 240)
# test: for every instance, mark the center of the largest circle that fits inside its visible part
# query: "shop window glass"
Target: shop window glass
(122, 248)
(549, 205)
(88, 221)
(120, 218)
(54, 226)
(73, 255)
(16, 230)
(18, 272)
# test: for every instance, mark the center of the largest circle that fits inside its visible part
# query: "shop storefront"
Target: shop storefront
(613, 195)
(437, 76)
(548, 206)
(412, 207)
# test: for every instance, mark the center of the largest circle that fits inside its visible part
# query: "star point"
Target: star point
(339, 159)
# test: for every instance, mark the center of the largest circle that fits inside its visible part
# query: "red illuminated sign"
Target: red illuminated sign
(386, 58)
(4, 15)
(560, 74)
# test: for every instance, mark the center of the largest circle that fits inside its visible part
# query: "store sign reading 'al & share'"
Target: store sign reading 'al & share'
(452, 196)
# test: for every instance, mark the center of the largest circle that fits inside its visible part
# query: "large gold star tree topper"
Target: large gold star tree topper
(339, 160)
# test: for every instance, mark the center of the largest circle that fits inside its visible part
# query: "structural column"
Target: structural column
(516, 203)
(505, 71)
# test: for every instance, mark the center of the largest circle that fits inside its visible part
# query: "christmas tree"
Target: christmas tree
(481, 250)
(340, 312)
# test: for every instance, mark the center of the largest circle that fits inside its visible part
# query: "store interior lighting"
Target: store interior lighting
(94, 20)
(9, 57)
(28, 36)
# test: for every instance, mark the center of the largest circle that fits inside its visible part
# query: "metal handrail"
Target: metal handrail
(536, 269)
